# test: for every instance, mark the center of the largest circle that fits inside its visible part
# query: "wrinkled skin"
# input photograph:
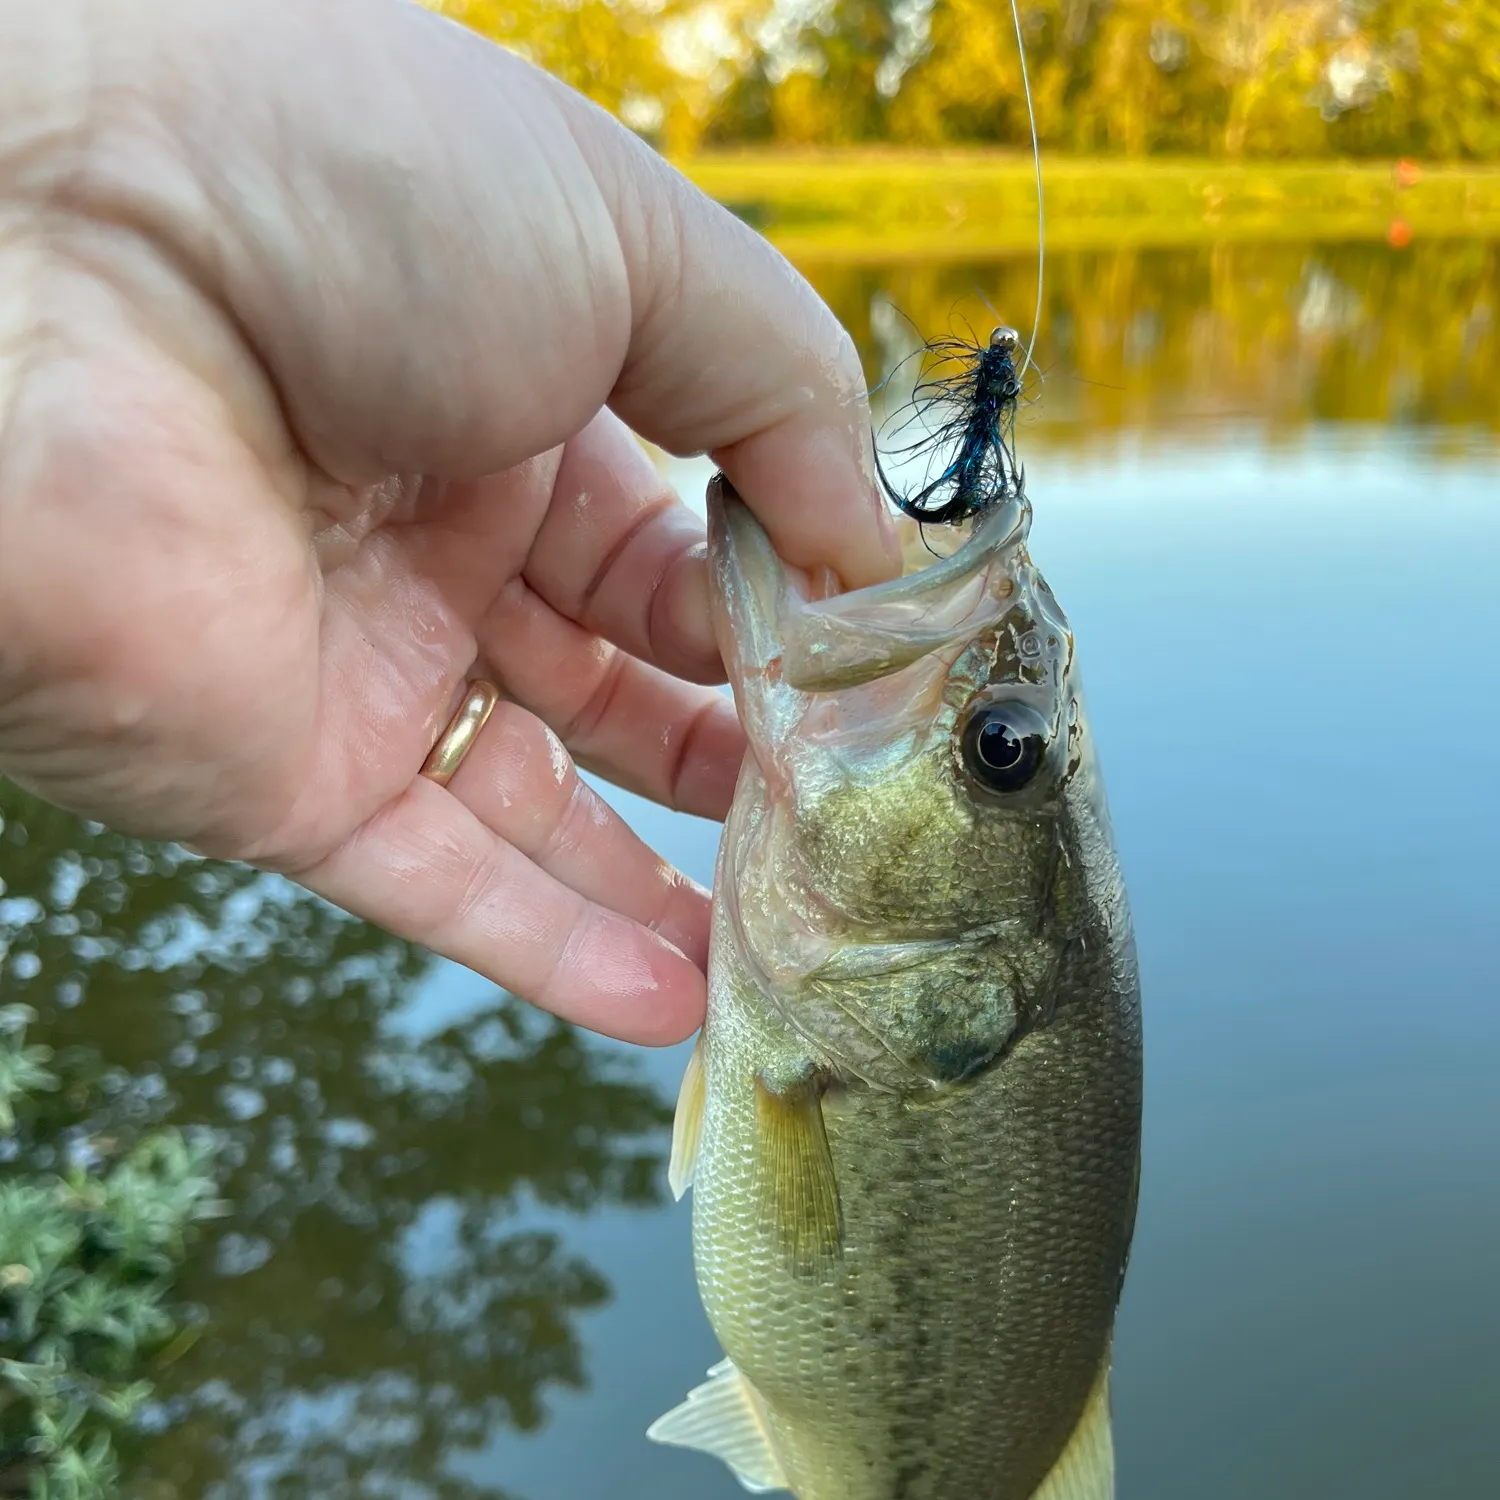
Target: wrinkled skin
(954, 967)
(324, 326)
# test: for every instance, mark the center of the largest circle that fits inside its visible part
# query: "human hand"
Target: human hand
(320, 325)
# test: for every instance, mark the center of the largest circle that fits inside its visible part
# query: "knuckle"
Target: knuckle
(597, 705)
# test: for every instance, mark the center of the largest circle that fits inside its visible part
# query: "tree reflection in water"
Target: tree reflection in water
(377, 1304)
(1279, 336)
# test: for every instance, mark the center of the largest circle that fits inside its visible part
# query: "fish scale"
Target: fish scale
(964, 1331)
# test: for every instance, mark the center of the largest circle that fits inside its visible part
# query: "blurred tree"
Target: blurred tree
(1441, 62)
(1361, 77)
(1273, 59)
(611, 52)
(661, 66)
(820, 73)
(831, 71)
(1238, 77)
(1155, 84)
(966, 84)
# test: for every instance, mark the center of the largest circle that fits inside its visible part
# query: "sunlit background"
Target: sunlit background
(1221, 78)
(1261, 441)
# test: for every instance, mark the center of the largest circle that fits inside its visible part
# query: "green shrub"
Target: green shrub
(86, 1259)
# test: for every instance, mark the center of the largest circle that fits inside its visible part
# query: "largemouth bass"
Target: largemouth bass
(911, 1122)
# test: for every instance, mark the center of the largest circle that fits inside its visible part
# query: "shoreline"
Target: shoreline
(877, 204)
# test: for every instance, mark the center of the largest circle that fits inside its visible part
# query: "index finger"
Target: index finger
(447, 262)
(732, 353)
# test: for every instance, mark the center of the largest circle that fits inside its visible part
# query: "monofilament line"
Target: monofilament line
(1036, 157)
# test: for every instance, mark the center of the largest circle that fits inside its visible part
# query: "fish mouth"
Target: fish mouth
(851, 675)
(771, 624)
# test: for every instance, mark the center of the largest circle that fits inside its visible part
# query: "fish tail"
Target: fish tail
(725, 1417)
(1085, 1470)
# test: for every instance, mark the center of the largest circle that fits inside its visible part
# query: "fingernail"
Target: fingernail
(885, 523)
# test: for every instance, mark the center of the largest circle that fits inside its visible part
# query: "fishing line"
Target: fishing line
(1036, 158)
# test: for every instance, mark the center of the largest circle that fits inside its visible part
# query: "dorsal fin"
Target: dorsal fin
(687, 1124)
(725, 1418)
(1085, 1470)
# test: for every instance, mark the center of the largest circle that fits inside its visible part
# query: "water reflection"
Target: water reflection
(1286, 335)
(375, 1305)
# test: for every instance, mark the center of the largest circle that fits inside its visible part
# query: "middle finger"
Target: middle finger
(622, 556)
(520, 781)
(676, 742)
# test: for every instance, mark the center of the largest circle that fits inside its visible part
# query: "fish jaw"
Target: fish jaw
(778, 635)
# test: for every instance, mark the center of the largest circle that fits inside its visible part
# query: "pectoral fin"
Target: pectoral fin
(797, 1192)
(687, 1124)
(725, 1418)
(1086, 1468)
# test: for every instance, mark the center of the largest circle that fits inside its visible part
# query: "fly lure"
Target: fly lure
(980, 399)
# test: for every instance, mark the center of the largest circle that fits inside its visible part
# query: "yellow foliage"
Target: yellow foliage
(1445, 83)
(1239, 77)
(1151, 86)
(805, 112)
(657, 64)
(830, 96)
(968, 87)
(609, 52)
(1252, 78)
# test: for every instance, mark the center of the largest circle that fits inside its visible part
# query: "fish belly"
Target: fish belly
(953, 1347)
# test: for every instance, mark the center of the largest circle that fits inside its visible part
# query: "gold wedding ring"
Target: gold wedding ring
(458, 738)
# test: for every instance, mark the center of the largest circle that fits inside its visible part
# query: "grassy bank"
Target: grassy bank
(894, 205)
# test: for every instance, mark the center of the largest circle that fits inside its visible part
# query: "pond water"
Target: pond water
(1267, 491)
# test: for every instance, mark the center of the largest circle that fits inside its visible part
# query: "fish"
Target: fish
(911, 1120)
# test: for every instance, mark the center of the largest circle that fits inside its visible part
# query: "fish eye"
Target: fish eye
(1004, 745)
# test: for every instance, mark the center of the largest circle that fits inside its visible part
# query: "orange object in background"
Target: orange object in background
(1408, 172)
(1398, 236)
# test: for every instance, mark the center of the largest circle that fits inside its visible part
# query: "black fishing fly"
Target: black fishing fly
(980, 399)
